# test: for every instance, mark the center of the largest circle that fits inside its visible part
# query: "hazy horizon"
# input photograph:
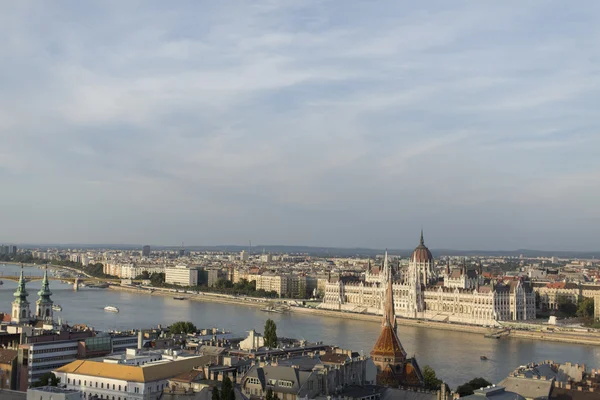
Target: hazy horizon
(301, 122)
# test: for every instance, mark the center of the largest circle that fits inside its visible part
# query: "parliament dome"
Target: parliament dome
(421, 254)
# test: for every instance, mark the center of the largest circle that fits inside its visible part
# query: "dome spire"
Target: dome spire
(422, 242)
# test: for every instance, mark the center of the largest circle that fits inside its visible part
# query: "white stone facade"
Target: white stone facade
(461, 297)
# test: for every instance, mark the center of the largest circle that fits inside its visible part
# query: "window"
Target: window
(79, 382)
(69, 381)
(287, 384)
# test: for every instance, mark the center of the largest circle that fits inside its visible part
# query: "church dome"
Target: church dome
(421, 254)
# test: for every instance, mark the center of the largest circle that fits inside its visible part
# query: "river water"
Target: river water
(455, 356)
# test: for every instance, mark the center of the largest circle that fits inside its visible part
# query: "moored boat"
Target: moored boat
(111, 309)
(56, 307)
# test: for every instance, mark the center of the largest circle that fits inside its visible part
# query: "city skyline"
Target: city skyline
(301, 124)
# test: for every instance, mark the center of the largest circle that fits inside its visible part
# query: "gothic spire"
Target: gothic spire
(389, 318)
(21, 294)
(422, 242)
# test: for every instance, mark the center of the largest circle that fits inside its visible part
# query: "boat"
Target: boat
(111, 309)
(178, 298)
(271, 309)
(483, 358)
(56, 307)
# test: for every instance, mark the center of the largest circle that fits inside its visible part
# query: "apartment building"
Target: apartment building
(181, 275)
(121, 381)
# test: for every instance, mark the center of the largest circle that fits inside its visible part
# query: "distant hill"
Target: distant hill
(332, 251)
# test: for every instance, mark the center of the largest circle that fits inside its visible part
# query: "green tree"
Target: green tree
(566, 306)
(585, 308)
(143, 275)
(464, 390)
(215, 394)
(227, 391)
(48, 379)
(478, 383)
(431, 381)
(470, 387)
(157, 279)
(182, 327)
(270, 333)
(269, 395)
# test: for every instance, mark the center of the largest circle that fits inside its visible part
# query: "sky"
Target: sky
(308, 122)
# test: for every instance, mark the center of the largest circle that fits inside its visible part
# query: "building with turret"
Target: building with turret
(21, 314)
(455, 295)
(44, 303)
(394, 368)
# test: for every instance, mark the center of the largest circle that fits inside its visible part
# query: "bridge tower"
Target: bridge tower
(76, 284)
(20, 306)
(44, 303)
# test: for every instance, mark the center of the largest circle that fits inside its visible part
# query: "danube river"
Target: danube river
(455, 356)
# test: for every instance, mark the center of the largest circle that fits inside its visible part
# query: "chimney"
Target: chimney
(140, 340)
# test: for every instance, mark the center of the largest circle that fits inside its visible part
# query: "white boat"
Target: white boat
(111, 309)
(56, 307)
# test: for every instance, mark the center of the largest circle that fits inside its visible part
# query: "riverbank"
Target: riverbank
(561, 337)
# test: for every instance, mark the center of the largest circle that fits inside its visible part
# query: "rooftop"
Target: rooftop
(132, 373)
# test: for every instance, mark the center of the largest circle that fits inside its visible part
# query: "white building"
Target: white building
(121, 381)
(244, 255)
(457, 296)
(181, 275)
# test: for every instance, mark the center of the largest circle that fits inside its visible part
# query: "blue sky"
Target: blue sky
(301, 122)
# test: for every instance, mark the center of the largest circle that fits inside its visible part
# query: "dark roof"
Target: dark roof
(189, 376)
(334, 358)
(7, 356)
(565, 394)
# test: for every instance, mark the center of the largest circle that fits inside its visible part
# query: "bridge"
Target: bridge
(39, 278)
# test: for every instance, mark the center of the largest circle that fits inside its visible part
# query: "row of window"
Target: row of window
(77, 382)
(53, 350)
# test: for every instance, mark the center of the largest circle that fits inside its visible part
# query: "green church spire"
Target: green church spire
(21, 294)
(45, 292)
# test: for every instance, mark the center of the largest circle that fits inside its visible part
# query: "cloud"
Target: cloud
(299, 122)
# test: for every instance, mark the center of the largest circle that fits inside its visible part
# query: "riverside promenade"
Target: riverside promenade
(574, 337)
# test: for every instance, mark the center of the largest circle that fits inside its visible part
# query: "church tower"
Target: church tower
(394, 369)
(44, 304)
(20, 306)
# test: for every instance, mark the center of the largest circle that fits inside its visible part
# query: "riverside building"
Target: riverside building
(457, 295)
(181, 275)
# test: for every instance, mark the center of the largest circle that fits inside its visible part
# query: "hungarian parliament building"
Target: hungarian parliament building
(422, 292)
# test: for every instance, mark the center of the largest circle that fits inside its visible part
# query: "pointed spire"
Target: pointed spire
(386, 265)
(389, 317)
(45, 292)
(422, 241)
(21, 294)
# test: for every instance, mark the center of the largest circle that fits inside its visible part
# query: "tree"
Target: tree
(269, 395)
(215, 394)
(143, 275)
(585, 308)
(566, 306)
(464, 390)
(182, 327)
(227, 392)
(48, 379)
(478, 383)
(470, 387)
(270, 333)
(431, 381)
(157, 279)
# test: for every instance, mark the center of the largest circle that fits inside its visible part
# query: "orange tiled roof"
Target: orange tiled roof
(388, 344)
